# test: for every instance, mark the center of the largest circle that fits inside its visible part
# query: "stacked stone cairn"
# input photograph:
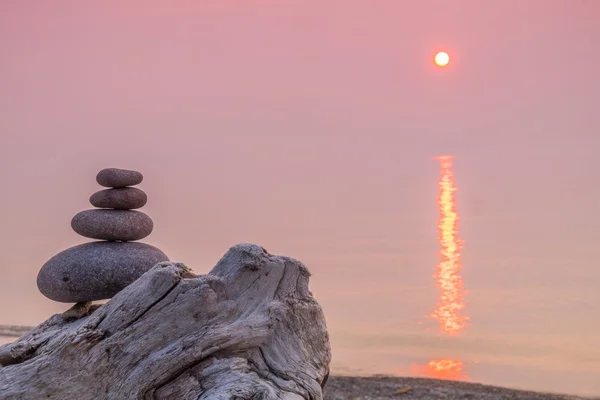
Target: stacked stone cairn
(99, 270)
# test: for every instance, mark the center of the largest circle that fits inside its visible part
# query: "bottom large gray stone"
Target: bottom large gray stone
(96, 271)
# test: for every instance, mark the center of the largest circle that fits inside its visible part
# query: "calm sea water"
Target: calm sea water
(497, 300)
(538, 337)
(500, 298)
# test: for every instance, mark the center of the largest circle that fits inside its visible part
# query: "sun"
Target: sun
(442, 59)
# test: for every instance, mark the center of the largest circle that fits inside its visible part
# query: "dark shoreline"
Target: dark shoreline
(398, 388)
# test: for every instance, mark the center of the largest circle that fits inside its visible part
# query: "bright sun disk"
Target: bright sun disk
(442, 58)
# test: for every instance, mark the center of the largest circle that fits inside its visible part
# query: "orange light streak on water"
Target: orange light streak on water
(445, 368)
(448, 278)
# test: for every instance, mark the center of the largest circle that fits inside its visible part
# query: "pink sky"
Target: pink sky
(309, 127)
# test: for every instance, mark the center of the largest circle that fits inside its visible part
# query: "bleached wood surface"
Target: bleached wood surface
(250, 329)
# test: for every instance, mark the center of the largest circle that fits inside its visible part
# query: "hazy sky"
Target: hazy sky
(309, 127)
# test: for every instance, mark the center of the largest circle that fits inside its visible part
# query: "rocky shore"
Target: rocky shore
(387, 388)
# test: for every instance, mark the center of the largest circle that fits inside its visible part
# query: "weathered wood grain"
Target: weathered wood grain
(250, 329)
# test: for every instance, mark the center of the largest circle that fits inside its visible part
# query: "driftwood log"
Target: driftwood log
(249, 329)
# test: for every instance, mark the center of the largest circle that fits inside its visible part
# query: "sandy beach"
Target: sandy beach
(385, 388)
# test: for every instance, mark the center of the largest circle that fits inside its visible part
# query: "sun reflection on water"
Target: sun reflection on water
(448, 278)
(449, 312)
(443, 368)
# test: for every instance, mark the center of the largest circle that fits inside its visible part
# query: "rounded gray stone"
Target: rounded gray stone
(95, 271)
(127, 198)
(122, 225)
(116, 178)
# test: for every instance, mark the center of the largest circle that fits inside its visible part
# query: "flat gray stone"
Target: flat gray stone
(127, 198)
(115, 177)
(96, 270)
(123, 225)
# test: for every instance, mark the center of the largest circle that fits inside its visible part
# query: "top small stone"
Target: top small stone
(117, 178)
